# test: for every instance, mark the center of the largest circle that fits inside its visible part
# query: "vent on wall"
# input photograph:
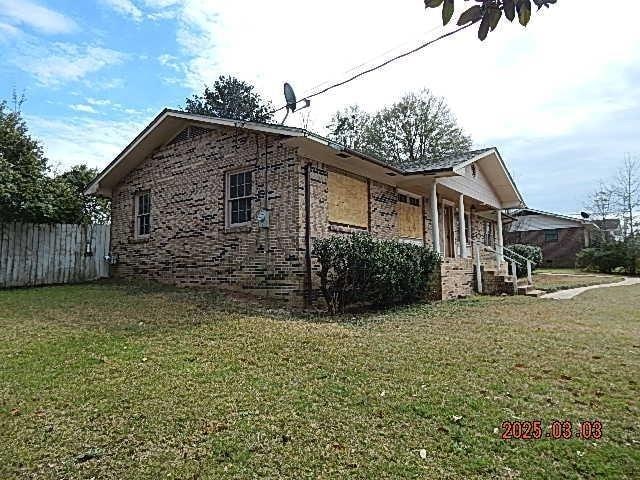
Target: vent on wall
(189, 133)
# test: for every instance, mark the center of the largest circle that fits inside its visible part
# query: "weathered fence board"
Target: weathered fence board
(33, 254)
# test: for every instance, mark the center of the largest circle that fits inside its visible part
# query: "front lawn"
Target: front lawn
(558, 281)
(112, 382)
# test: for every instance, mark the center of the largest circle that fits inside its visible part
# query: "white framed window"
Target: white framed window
(143, 215)
(239, 186)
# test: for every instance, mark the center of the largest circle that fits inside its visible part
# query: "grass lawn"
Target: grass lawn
(553, 283)
(117, 382)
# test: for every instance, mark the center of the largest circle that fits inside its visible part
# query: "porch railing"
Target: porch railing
(500, 258)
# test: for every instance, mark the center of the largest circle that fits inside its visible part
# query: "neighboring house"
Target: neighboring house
(198, 200)
(560, 237)
(611, 228)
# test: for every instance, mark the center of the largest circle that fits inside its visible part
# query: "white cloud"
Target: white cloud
(169, 61)
(125, 7)
(519, 81)
(79, 107)
(58, 63)
(8, 31)
(74, 140)
(98, 102)
(43, 19)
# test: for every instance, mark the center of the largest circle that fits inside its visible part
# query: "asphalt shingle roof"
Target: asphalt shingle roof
(446, 163)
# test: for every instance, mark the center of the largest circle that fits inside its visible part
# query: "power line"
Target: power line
(370, 60)
(384, 64)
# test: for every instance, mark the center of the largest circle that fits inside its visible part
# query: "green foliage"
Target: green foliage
(231, 98)
(489, 12)
(71, 203)
(611, 257)
(360, 269)
(23, 187)
(409, 133)
(532, 252)
(28, 192)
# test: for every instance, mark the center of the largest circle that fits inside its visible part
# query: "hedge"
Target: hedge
(620, 257)
(359, 269)
(532, 252)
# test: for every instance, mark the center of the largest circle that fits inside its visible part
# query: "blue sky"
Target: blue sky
(559, 99)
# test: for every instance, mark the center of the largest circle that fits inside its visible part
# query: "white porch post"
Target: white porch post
(461, 225)
(435, 221)
(500, 245)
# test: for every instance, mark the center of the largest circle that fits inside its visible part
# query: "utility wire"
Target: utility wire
(377, 67)
(370, 60)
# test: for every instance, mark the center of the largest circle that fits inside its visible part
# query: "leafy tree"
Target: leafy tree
(232, 98)
(27, 191)
(24, 188)
(71, 203)
(410, 133)
(349, 127)
(488, 12)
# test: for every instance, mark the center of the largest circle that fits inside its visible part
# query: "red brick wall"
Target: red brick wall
(189, 243)
(560, 254)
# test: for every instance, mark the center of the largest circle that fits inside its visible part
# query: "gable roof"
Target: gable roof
(608, 224)
(528, 219)
(450, 162)
(169, 123)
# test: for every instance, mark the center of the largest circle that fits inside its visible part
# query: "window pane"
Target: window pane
(247, 183)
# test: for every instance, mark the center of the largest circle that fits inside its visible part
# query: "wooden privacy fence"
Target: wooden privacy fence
(33, 254)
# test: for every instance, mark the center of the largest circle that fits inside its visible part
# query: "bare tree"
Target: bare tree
(601, 205)
(626, 193)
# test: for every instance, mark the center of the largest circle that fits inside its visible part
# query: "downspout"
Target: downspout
(307, 235)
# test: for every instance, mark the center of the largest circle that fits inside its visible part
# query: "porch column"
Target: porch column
(500, 245)
(435, 221)
(463, 232)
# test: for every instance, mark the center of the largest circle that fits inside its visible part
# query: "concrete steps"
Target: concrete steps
(530, 291)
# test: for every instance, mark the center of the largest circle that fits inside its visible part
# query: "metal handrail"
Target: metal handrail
(515, 253)
(500, 256)
(487, 247)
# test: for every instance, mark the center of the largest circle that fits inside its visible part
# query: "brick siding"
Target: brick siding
(559, 254)
(190, 243)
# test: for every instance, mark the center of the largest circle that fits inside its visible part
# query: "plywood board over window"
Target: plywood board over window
(410, 218)
(348, 200)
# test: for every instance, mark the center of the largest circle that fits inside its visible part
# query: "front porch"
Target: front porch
(467, 231)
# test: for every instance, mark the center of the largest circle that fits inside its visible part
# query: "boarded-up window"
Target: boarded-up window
(410, 218)
(348, 200)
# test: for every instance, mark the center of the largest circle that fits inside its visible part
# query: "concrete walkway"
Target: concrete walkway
(574, 292)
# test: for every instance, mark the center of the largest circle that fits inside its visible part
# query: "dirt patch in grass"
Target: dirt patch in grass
(112, 382)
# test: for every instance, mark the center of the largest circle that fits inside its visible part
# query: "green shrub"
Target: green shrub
(359, 269)
(532, 252)
(611, 257)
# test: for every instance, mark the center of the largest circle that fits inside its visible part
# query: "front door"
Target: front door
(447, 231)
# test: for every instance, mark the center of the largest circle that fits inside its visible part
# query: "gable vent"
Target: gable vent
(189, 133)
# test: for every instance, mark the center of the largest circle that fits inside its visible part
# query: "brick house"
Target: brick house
(560, 237)
(198, 200)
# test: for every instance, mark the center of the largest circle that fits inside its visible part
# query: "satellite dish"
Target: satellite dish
(292, 101)
(290, 97)
(584, 215)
